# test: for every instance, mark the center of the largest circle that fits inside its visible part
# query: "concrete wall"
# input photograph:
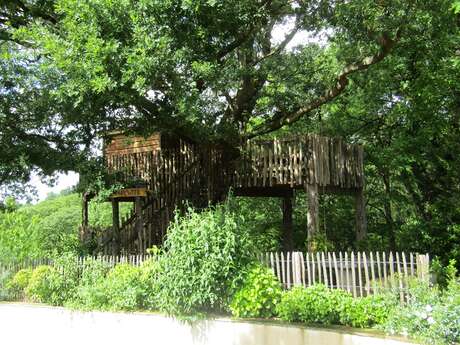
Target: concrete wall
(22, 324)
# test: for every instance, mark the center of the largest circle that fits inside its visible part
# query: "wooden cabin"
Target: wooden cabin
(161, 172)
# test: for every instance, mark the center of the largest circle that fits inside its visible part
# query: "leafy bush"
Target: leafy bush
(205, 251)
(431, 315)
(19, 282)
(315, 304)
(149, 277)
(259, 294)
(123, 288)
(5, 277)
(91, 292)
(46, 285)
(445, 323)
(366, 311)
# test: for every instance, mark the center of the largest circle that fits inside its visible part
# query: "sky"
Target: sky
(65, 181)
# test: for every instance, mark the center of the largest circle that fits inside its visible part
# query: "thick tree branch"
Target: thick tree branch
(386, 43)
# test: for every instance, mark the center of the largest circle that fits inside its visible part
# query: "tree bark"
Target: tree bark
(312, 215)
(288, 234)
(115, 228)
(361, 218)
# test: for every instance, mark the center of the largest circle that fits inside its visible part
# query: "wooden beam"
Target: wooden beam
(115, 228)
(276, 192)
(139, 224)
(312, 215)
(361, 218)
(288, 234)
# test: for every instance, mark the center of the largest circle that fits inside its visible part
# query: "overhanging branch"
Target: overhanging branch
(279, 120)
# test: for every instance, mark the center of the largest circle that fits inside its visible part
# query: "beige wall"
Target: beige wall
(24, 324)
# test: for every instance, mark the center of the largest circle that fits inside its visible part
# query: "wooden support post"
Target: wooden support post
(288, 235)
(115, 227)
(84, 229)
(361, 219)
(139, 224)
(312, 215)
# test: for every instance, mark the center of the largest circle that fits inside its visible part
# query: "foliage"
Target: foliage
(46, 286)
(431, 315)
(91, 291)
(365, 312)
(149, 279)
(18, 283)
(123, 288)
(259, 294)
(204, 252)
(48, 228)
(5, 276)
(315, 304)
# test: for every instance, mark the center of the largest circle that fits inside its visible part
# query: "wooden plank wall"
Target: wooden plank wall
(310, 159)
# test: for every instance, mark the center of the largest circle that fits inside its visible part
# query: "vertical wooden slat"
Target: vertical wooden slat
(337, 274)
(360, 275)
(398, 267)
(310, 282)
(374, 283)
(366, 275)
(288, 266)
(330, 266)
(283, 270)
(353, 275)
(302, 268)
(323, 259)
(318, 261)
(278, 271)
(385, 278)
(392, 273)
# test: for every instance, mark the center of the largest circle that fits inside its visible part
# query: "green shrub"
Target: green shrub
(445, 323)
(91, 291)
(259, 294)
(46, 285)
(204, 252)
(5, 277)
(17, 284)
(366, 311)
(315, 304)
(123, 288)
(416, 317)
(149, 277)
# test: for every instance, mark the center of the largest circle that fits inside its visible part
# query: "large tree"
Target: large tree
(207, 69)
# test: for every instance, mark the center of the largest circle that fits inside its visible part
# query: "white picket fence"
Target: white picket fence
(359, 273)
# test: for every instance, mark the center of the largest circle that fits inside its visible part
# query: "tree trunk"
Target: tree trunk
(288, 235)
(115, 228)
(312, 215)
(361, 219)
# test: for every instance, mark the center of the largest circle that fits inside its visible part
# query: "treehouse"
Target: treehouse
(160, 173)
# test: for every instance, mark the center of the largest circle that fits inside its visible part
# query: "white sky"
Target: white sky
(71, 179)
(64, 181)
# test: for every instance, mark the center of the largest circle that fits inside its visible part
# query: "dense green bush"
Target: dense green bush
(91, 291)
(315, 304)
(258, 295)
(46, 285)
(431, 315)
(366, 311)
(149, 278)
(123, 287)
(5, 277)
(18, 283)
(205, 251)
